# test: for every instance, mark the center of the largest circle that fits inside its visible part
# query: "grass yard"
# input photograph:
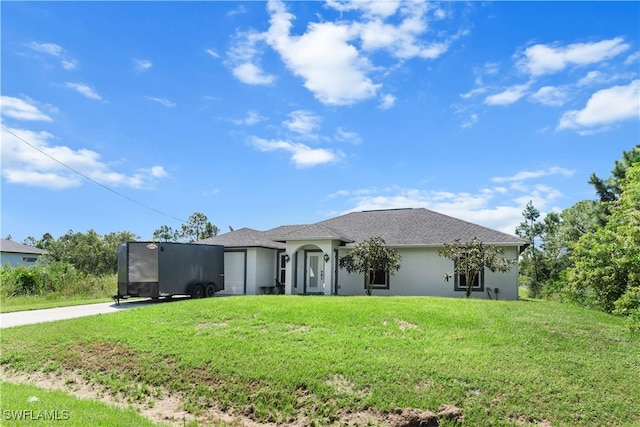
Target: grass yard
(24, 404)
(283, 359)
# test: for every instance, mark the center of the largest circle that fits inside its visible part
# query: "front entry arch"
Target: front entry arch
(310, 268)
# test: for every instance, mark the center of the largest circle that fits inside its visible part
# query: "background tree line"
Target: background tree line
(589, 253)
(75, 260)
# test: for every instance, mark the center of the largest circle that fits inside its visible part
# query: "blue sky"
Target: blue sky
(260, 114)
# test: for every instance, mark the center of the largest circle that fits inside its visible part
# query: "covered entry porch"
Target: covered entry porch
(311, 267)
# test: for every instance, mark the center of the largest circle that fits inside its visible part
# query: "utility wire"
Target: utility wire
(91, 179)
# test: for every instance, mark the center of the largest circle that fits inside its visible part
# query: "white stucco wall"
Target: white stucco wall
(422, 273)
(266, 267)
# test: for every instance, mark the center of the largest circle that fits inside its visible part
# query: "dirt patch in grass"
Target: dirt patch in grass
(404, 325)
(300, 329)
(116, 375)
(168, 407)
(211, 325)
(342, 385)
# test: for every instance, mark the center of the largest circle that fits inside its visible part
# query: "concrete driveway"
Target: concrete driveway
(8, 320)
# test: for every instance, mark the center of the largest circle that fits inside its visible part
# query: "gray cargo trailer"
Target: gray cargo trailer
(154, 269)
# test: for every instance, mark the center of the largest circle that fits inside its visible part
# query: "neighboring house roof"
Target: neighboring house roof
(9, 246)
(398, 227)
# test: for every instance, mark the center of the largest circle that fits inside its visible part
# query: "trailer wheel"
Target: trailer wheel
(197, 291)
(210, 290)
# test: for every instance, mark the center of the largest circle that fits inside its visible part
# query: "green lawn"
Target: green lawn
(276, 357)
(24, 404)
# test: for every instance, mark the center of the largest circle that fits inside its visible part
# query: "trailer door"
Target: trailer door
(143, 262)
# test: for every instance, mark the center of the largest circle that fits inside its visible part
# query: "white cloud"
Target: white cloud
(56, 51)
(387, 101)
(471, 207)
(158, 172)
(331, 67)
(550, 95)
(242, 59)
(84, 90)
(69, 64)
(252, 74)
(20, 109)
(591, 78)
(509, 96)
(332, 58)
(303, 122)
(48, 48)
(32, 163)
(474, 92)
(346, 136)
(528, 175)
(142, 65)
(605, 107)
(471, 121)
(213, 53)
(373, 8)
(543, 59)
(302, 155)
(252, 118)
(162, 101)
(496, 208)
(402, 40)
(237, 11)
(632, 58)
(491, 68)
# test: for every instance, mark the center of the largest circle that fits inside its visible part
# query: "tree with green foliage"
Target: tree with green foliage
(607, 260)
(196, 228)
(471, 258)
(609, 190)
(164, 234)
(89, 253)
(530, 229)
(370, 256)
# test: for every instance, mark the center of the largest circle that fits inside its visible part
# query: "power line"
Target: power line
(117, 193)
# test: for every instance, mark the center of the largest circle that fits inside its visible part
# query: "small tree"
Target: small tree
(370, 256)
(531, 230)
(164, 234)
(470, 258)
(196, 228)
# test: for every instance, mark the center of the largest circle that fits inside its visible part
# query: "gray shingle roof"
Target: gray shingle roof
(315, 231)
(18, 248)
(244, 238)
(398, 227)
(414, 227)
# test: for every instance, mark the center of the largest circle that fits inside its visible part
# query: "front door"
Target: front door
(314, 273)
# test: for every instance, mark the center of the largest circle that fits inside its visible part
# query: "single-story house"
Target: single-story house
(16, 254)
(305, 257)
